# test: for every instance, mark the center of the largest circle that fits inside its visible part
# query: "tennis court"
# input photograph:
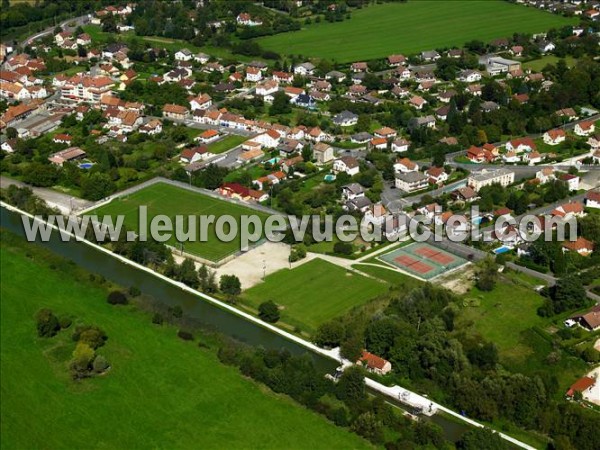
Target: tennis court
(422, 260)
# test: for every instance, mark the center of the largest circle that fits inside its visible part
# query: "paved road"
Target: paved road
(66, 203)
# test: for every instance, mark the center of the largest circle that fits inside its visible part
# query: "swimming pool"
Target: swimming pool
(329, 177)
(502, 249)
(273, 161)
(476, 220)
(86, 165)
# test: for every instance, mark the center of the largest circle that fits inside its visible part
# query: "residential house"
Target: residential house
(202, 101)
(177, 112)
(359, 67)
(152, 127)
(417, 102)
(352, 191)
(532, 158)
(378, 143)
(247, 20)
(411, 181)
(323, 153)
(191, 155)
(67, 155)
(555, 136)
(469, 76)
(545, 174)
(288, 147)
(253, 74)
(267, 88)
(361, 138)
(304, 69)
(465, 194)
(569, 210)
(592, 199)
(347, 164)
(396, 60)
(584, 384)
(571, 180)
(581, 245)
(437, 175)
(386, 132)
(270, 139)
(405, 165)
(585, 128)
(519, 145)
(421, 122)
(345, 119)
(374, 363)
(183, 55)
(283, 77)
(400, 145)
(208, 136)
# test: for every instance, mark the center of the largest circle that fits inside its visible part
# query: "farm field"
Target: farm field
(314, 292)
(161, 392)
(539, 64)
(162, 198)
(227, 143)
(380, 30)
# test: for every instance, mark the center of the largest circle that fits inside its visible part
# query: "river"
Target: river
(207, 314)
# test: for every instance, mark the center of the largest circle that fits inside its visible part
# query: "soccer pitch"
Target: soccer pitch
(163, 198)
(378, 31)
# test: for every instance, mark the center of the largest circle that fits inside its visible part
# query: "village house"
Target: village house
(67, 155)
(62, 138)
(202, 101)
(411, 181)
(581, 246)
(323, 153)
(247, 20)
(519, 145)
(400, 145)
(386, 132)
(269, 180)
(177, 112)
(465, 194)
(208, 136)
(347, 164)
(555, 136)
(378, 143)
(437, 175)
(152, 127)
(584, 384)
(592, 199)
(584, 128)
(345, 119)
(270, 139)
(569, 210)
(305, 69)
(283, 77)
(352, 191)
(405, 165)
(183, 55)
(374, 363)
(191, 155)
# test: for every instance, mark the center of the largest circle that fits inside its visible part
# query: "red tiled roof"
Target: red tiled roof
(581, 385)
(372, 361)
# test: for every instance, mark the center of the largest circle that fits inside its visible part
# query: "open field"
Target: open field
(314, 292)
(539, 64)
(169, 200)
(380, 30)
(396, 279)
(227, 143)
(160, 393)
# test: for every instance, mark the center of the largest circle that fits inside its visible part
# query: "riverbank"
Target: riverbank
(160, 391)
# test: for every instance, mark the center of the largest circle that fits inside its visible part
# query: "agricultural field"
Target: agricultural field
(162, 198)
(160, 392)
(315, 292)
(507, 316)
(380, 30)
(227, 143)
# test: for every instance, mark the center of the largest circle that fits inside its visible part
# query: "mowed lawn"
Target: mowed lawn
(162, 198)
(395, 279)
(161, 392)
(504, 315)
(315, 292)
(227, 143)
(380, 30)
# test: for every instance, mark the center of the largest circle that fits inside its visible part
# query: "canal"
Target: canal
(194, 307)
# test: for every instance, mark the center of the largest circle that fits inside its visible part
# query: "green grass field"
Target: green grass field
(227, 143)
(160, 393)
(162, 198)
(314, 292)
(390, 276)
(539, 64)
(380, 30)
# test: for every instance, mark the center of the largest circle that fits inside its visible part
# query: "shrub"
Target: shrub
(47, 323)
(343, 248)
(90, 335)
(117, 298)
(65, 322)
(157, 319)
(100, 364)
(134, 291)
(185, 335)
(83, 355)
(268, 311)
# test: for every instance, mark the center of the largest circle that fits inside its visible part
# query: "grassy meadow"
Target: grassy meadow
(380, 30)
(160, 392)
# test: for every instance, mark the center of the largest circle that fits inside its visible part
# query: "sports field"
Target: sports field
(227, 143)
(161, 392)
(380, 30)
(162, 198)
(314, 292)
(422, 260)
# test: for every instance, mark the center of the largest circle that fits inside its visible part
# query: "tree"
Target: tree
(268, 311)
(330, 334)
(97, 186)
(280, 105)
(83, 355)
(187, 274)
(481, 439)
(230, 285)
(47, 323)
(368, 426)
(100, 364)
(117, 298)
(11, 133)
(351, 386)
(487, 275)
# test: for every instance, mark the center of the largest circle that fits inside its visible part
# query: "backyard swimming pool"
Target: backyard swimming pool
(86, 165)
(502, 249)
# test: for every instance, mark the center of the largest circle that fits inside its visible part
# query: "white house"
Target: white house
(585, 128)
(247, 20)
(400, 145)
(352, 191)
(253, 74)
(346, 164)
(270, 139)
(411, 181)
(304, 69)
(469, 76)
(592, 199)
(555, 136)
(203, 101)
(184, 55)
(405, 165)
